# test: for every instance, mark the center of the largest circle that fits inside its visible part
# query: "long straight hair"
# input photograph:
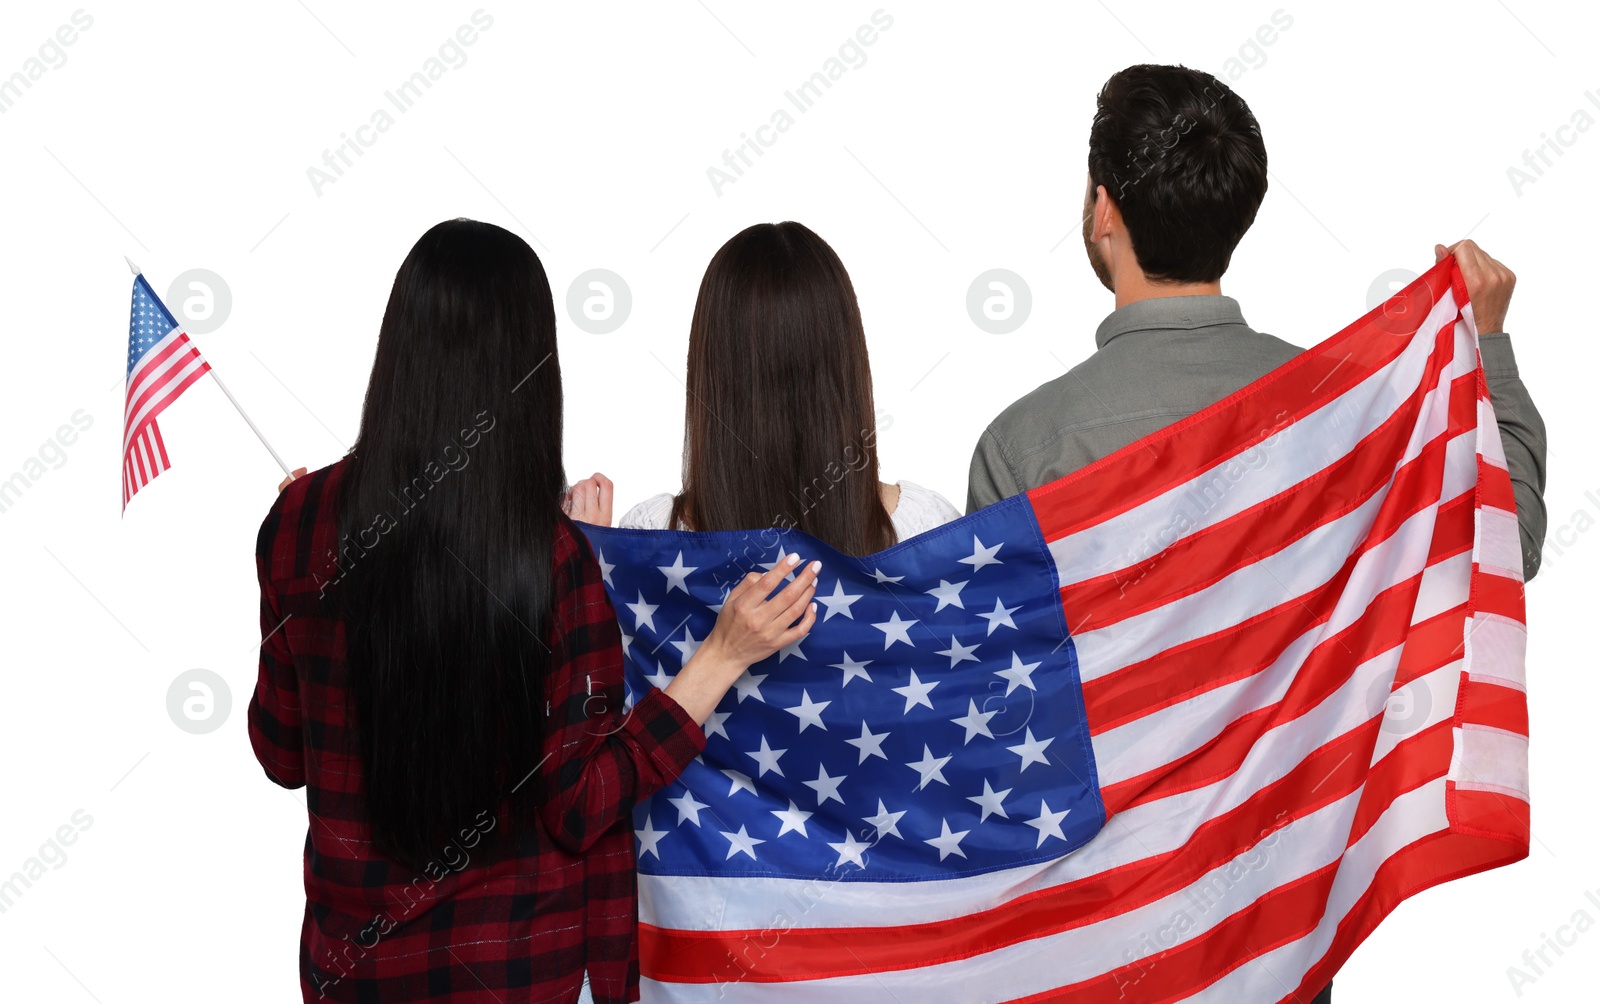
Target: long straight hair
(779, 427)
(448, 507)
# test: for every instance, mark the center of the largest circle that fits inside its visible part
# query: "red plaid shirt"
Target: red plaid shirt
(521, 923)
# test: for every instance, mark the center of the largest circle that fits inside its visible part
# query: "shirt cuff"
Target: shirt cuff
(666, 732)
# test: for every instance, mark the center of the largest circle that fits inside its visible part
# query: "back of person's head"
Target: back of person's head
(1182, 157)
(780, 428)
(448, 508)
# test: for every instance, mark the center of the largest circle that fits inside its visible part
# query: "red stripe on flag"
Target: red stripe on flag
(1488, 813)
(1495, 706)
(161, 446)
(1441, 633)
(1168, 677)
(1270, 526)
(1494, 486)
(1496, 594)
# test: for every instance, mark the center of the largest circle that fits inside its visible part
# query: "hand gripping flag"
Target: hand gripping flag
(1183, 725)
(162, 364)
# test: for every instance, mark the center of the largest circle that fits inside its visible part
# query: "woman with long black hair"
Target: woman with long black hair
(441, 668)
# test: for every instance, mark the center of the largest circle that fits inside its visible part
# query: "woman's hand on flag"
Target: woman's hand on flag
(754, 623)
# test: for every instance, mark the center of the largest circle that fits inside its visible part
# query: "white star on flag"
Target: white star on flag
(958, 652)
(930, 767)
(991, 801)
(1031, 751)
(838, 603)
(649, 837)
(974, 721)
(1048, 824)
(742, 842)
(870, 743)
(793, 819)
(749, 685)
(982, 556)
(809, 712)
(688, 808)
(643, 613)
(915, 692)
(766, 759)
(894, 629)
(850, 850)
(1020, 674)
(947, 842)
(676, 573)
(826, 787)
(852, 669)
(948, 594)
(885, 823)
(1000, 616)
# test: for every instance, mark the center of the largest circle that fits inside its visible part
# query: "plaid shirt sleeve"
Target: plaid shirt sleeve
(599, 759)
(275, 708)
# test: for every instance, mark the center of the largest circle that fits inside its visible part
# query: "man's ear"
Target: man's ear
(1105, 213)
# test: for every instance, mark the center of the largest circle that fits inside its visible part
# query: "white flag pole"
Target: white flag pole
(229, 394)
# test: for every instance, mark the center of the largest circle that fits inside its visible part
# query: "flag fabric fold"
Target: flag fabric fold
(1186, 724)
(162, 364)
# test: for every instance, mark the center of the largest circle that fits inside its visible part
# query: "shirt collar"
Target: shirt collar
(1168, 312)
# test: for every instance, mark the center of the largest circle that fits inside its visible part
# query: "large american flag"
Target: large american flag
(1184, 725)
(162, 363)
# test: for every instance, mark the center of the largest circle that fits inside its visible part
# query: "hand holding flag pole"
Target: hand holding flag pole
(162, 363)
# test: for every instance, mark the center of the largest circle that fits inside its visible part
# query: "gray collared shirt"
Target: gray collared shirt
(1163, 359)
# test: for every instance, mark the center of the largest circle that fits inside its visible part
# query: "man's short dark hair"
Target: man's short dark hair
(1182, 157)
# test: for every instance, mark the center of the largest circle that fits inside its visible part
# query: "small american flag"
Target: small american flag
(1184, 725)
(162, 363)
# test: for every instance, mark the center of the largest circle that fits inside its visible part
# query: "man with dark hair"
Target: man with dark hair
(1177, 170)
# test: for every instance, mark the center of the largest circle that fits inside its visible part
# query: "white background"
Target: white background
(181, 134)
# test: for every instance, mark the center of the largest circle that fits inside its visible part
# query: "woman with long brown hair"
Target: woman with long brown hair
(780, 428)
